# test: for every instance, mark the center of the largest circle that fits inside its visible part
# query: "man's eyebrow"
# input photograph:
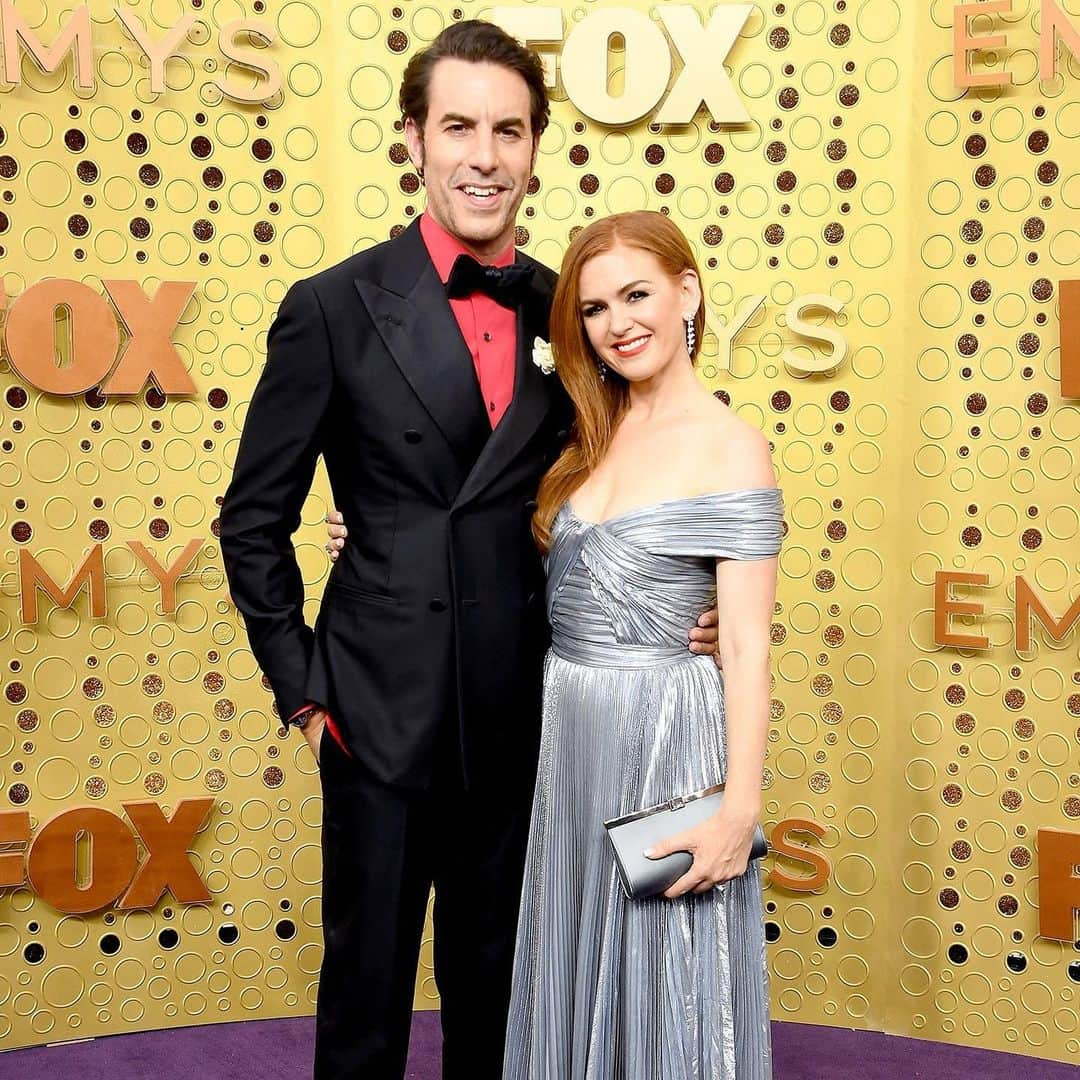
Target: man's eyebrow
(625, 289)
(509, 121)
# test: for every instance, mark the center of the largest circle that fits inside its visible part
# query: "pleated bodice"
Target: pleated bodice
(629, 588)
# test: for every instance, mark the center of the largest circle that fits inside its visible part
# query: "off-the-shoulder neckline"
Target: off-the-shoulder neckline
(569, 506)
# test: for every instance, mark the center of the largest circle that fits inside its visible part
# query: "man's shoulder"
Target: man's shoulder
(384, 261)
(367, 264)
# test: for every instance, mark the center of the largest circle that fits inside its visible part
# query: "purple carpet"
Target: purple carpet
(281, 1050)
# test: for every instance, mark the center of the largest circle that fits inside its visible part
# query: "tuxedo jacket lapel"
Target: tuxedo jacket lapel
(532, 393)
(413, 318)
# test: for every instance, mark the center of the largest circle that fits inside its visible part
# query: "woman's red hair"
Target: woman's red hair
(599, 405)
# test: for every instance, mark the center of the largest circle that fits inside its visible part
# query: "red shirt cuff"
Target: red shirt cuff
(336, 734)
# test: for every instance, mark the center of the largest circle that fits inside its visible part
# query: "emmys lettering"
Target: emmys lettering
(76, 37)
(804, 362)
(1027, 604)
(91, 573)
(783, 845)
(1052, 23)
(83, 859)
(73, 353)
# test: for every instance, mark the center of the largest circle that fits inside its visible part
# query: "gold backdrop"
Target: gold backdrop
(940, 222)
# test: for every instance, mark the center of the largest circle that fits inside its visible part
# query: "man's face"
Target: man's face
(477, 151)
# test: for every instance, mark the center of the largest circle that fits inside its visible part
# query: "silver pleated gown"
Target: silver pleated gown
(605, 988)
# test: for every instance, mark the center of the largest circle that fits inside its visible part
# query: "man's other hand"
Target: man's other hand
(704, 636)
(336, 531)
(313, 729)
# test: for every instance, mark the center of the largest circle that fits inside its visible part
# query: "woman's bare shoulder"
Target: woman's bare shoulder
(735, 453)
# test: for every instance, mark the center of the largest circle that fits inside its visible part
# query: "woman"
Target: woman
(661, 498)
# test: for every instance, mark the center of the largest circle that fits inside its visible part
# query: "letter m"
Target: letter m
(32, 576)
(75, 32)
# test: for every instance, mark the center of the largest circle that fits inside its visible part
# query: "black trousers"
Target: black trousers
(383, 848)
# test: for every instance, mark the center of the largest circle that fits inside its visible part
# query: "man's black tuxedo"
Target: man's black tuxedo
(433, 613)
(428, 646)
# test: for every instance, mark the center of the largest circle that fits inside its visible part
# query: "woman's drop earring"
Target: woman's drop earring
(691, 334)
(601, 370)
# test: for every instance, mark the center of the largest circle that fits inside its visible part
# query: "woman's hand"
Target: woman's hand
(335, 529)
(720, 847)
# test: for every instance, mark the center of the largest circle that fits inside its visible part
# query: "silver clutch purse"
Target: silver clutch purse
(632, 834)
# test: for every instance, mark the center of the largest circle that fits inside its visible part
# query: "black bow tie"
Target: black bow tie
(506, 285)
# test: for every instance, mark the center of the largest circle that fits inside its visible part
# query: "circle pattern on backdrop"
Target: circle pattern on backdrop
(811, 197)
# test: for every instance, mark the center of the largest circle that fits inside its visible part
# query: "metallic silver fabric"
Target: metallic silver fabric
(605, 988)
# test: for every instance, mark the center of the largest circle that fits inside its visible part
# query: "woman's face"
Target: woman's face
(632, 311)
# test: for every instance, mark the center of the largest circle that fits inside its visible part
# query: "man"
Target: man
(409, 368)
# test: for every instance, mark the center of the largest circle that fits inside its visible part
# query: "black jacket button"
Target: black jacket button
(412, 436)
(437, 604)
(562, 435)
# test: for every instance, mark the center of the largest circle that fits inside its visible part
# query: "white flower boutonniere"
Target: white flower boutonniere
(542, 356)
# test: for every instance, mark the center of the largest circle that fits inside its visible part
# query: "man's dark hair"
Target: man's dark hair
(478, 42)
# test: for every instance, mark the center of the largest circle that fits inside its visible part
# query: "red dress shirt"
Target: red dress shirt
(489, 330)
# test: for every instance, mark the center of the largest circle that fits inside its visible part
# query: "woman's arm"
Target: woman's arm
(721, 845)
(745, 598)
(746, 593)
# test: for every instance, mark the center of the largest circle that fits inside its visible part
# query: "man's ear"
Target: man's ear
(414, 140)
